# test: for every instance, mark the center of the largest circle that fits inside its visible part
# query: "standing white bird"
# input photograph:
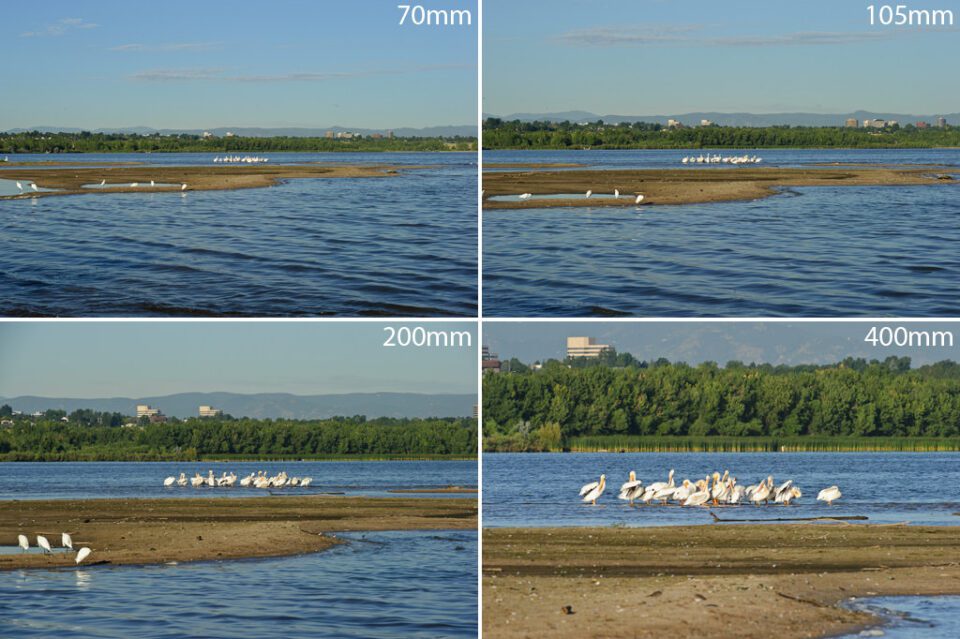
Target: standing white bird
(33, 185)
(631, 489)
(19, 186)
(639, 199)
(43, 543)
(103, 182)
(152, 183)
(134, 185)
(183, 187)
(829, 495)
(66, 541)
(589, 193)
(526, 196)
(23, 542)
(82, 554)
(616, 193)
(591, 492)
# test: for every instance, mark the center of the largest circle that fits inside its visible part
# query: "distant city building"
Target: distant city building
(206, 135)
(143, 410)
(893, 123)
(210, 411)
(228, 134)
(344, 135)
(852, 123)
(923, 125)
(706, 123)
(874, 124)
(376, 136)
(390, 134)
(329, 135)
(674, 124)
(942, 122)
(585, 347)
(490, 362)
(476, 411)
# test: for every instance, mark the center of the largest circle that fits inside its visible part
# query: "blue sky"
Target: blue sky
(696, 342)
(202, 64)
(133, 359)
(663, 57)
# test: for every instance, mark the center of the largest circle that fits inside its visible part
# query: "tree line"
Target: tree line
(49, 438)
(500, 134)
(85, 142)
(527, 409)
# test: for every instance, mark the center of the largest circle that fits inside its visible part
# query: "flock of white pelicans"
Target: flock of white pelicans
(66, 541)
(726, 159)
(588, 195)
(258, 480)
(711, 490)
(236, 159)
(133, 185)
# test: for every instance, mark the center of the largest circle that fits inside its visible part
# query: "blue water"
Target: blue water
(845, 251)
(391, 584)
(542, 489)
(912, 617)
(403, 245)
(90, 480)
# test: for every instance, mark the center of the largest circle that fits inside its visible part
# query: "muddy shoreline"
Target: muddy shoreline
(151, 531)
(750, 581)
(70, 181)
(694, 185)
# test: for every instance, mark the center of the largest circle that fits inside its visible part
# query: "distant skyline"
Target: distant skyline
(188, 65)
(135, 359)
(696, 342)
(626, 57)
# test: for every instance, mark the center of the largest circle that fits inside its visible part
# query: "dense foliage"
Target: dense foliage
(48, 438)
(498, 134)
(619, 396)
(85, 142)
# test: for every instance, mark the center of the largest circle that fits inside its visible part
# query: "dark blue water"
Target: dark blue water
(542, 489)
(845, 251)
(89, 480)
(401, 584)
(403, 245)
(912, 617)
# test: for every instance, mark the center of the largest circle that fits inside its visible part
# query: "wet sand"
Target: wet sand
(70, 181)
(148, 531)
(721, 581)
(691, 186)
(444, 490)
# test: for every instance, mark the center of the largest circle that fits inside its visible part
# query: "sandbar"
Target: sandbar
(692, 186)
(71, 181)
(722, 581)
(150, 531)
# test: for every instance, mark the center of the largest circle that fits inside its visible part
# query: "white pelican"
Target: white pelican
(43, 543)
(211, 481)
(134, 185)
(82, 554)
(589, 193)
(661, 484)
(33, 185)
(683, 491)
(639, 198)
(19, 186)
(183, 187)
(631, 489)
(66, 541)
(762, 492)
(720, 491)
(616, 193)
(782, 489)
(829, 495)
(701, 497)
(592, 491)
(789, 495)
(183, 480)
(152, 183)
(197, 480)
(103, 182)
(169, 481)
(526, 196)
(23, 542)
(306, 481)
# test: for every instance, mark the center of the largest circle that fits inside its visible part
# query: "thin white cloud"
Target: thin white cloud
(221, 75)
(60, 27)
(170, 46)
(693, 36)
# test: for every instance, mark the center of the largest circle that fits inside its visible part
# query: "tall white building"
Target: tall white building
(144, 410)
(210, 411)
(585, 347)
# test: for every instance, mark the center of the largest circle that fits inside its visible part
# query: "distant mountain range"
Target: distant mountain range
(467, 130)
(267, 405)
(735, 119)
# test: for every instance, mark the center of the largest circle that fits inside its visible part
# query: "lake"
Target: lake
(913, 617)
(396, 246)
(91, 480)
(541, 489)
(384, 584)
(815, 251)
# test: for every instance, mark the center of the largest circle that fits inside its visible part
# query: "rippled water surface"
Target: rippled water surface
(402, 245)
(400, 584)
(90, 480)
(820, 251)
(912, 617)
(542, 489)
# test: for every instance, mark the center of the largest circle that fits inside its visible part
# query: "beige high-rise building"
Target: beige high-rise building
(144, 410)
(210, 411)
(585, 347)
